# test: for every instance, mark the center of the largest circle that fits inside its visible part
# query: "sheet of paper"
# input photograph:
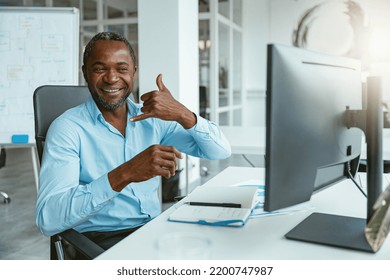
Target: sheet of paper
(246, 196)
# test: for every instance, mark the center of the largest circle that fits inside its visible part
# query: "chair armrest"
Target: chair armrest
(81, 243)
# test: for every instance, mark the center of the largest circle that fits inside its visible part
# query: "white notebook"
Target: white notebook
(232, 206)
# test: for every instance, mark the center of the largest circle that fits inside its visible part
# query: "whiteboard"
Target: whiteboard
(38, 46)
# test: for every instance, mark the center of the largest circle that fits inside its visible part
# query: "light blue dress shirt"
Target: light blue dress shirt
(81, 148)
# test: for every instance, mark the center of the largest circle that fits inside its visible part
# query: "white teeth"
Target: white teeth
(110, 90)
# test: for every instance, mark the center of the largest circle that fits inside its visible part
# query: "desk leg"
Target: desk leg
(187, 175)
(34, 157)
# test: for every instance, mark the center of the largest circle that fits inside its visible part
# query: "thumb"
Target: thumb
(160, 83)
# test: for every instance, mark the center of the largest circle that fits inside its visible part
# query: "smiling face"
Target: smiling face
(109, 72)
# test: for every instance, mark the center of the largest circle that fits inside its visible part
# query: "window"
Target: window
(220, 71)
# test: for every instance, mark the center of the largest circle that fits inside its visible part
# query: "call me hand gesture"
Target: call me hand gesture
(161, 104)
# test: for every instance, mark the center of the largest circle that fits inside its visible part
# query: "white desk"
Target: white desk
(260, 238)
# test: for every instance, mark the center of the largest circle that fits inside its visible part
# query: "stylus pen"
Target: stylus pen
(231, 205)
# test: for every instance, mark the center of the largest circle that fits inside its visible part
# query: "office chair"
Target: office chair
(50, 102)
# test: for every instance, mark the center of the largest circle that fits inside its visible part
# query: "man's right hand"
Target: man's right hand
(157, 160)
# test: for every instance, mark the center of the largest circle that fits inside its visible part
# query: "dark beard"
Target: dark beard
(109, 106)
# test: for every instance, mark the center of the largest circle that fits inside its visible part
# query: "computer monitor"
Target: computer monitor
(309, 144)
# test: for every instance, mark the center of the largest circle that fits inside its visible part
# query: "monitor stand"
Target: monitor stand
(333, 230)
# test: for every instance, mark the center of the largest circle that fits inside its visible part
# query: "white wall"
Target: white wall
(255, 38)
(378, 12)
(274, 21)
(264, 21)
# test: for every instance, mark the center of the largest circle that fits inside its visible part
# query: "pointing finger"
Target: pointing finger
(140, 117)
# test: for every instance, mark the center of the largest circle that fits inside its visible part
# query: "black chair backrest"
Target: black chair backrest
(50, 102)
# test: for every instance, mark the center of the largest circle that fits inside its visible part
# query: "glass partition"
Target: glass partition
(220, 55)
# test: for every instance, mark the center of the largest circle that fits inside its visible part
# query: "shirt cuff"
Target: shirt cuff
(101, 190)
(201, 126)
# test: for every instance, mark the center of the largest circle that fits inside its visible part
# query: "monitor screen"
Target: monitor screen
(308, 144)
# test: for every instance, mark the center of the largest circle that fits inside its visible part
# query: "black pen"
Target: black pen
(231, 205)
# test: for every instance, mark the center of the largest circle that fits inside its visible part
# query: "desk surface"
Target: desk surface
(260, 238)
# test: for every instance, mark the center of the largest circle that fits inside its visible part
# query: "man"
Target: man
(102, 159)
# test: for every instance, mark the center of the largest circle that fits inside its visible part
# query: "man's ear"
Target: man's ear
(135, 72)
